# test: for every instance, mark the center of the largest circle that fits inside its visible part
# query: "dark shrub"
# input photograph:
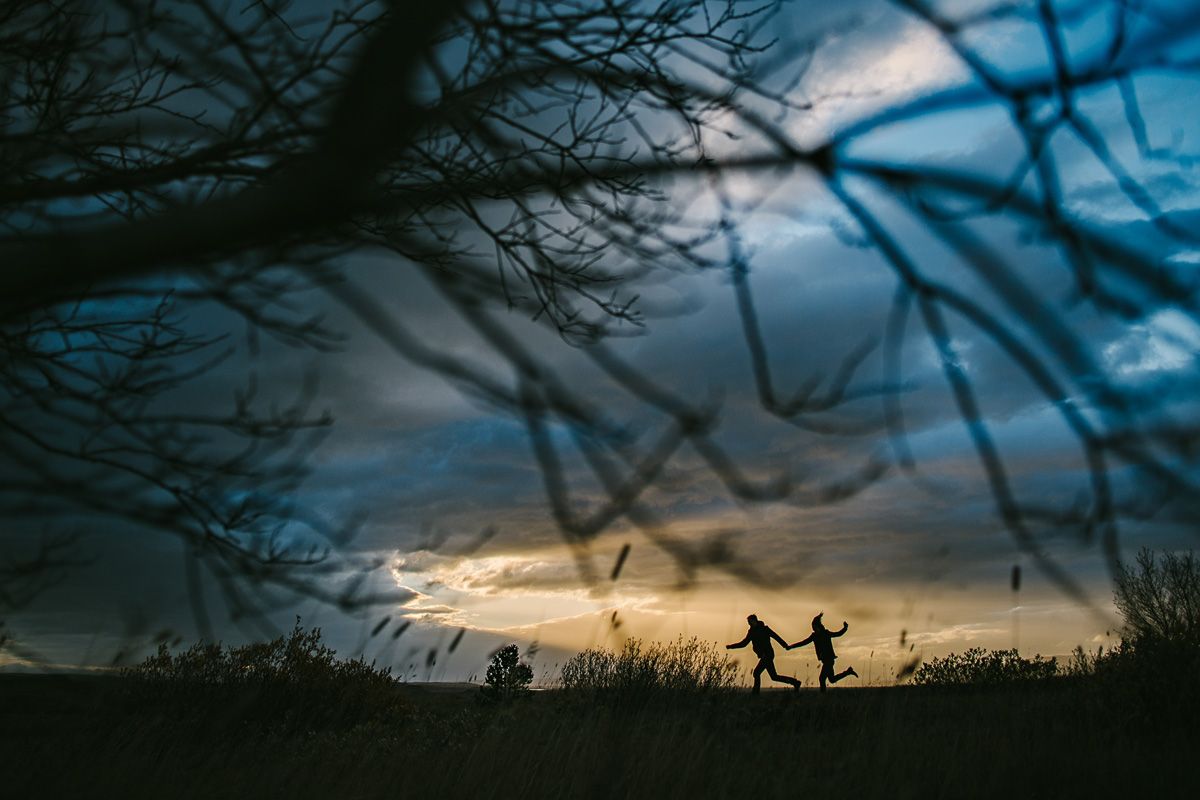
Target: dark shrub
(682, 665)
(1156, 668)
(295, 678)
(981, 667)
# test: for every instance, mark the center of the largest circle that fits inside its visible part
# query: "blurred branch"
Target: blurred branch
(541, 159)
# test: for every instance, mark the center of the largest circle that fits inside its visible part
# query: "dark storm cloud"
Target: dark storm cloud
(818, 299)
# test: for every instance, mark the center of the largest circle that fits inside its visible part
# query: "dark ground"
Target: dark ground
(86, 736)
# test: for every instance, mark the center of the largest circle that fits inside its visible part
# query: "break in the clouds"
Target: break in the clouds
(429, 468)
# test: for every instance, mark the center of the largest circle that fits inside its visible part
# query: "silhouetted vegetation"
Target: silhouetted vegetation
(684, 665)
(292, 679)
(1155, 671)
(1159, 599)
(1151, 676)
(981, 667)
(507, 677)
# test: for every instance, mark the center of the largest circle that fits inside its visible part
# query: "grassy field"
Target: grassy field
(68, 736)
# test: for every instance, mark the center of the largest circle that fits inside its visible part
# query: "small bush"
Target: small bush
(980, 667)
(507, 677)
(295, 677)
(688, 665)
(1114, 662)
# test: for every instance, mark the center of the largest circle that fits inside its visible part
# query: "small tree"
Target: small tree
(507, 676)
(1159, 599)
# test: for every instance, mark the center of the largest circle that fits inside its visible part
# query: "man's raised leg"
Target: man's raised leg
(775, 676)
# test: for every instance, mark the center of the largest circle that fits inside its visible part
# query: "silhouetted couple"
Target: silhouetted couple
(760, 635)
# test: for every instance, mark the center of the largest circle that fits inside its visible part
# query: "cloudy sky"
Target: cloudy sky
(454, 504)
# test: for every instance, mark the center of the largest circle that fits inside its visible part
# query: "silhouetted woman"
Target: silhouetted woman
(822, 640)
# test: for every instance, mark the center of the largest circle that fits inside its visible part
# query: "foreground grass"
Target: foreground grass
(90, 737)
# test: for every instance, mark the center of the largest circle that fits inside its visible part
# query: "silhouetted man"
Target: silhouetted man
(822, 640)
(759, 636)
